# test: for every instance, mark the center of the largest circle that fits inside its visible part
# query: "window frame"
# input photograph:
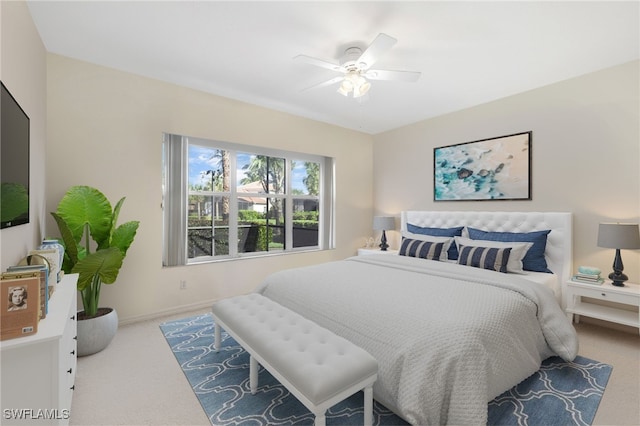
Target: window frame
(176, 195)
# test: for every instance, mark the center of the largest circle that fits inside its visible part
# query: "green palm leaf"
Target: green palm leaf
(70, 245)
(123, 236)
(103, 263)
(83, 205)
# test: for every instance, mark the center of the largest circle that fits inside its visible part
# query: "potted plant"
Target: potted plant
(95, 248)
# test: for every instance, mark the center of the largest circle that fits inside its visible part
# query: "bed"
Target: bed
(448, 337)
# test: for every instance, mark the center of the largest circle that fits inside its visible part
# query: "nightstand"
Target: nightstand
(366, 251)
(627, 295)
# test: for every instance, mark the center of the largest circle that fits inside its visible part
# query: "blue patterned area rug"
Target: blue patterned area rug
(560, 393)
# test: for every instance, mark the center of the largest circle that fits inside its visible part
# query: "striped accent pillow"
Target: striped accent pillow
(423, 249)
(534, 260)
(491, 258)
(452, 250)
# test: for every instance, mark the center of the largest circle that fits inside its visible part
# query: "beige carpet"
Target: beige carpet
(137, 381)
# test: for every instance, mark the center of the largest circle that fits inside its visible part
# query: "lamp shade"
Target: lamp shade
(619, 235)
(382, 223)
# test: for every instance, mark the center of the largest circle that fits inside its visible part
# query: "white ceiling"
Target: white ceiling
(469, 53)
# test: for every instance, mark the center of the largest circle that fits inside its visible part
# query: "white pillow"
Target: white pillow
(518, 251)
(433, 239)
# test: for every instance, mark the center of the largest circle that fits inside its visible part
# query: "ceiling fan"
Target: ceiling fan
(355, 66)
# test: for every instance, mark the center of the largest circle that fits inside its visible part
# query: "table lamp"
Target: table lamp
(382, 223)
(618, 236)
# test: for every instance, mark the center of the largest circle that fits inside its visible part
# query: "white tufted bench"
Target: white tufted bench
(318, 367)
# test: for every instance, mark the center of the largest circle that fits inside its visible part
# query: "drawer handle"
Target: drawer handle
(604, 294)
(70, 370)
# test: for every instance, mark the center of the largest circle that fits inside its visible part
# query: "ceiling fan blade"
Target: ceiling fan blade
(319, 63)
(381, 44)
(334, 80)
(408, 76)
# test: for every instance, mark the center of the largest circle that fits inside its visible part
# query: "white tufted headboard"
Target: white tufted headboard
(559, 251)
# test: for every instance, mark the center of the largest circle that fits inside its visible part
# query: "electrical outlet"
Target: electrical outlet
(183, 285)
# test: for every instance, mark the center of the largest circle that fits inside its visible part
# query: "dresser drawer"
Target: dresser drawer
(606, 294)
(68, 356)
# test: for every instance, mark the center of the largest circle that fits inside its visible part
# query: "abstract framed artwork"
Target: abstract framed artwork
(489, 169)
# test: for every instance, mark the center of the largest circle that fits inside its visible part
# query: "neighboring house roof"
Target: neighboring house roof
(252, 188)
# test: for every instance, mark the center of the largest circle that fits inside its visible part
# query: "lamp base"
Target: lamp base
(383, 242)
(618, 279)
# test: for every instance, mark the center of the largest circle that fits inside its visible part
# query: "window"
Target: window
(224, 201)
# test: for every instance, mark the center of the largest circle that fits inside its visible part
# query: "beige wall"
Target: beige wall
(105, 130)
(585, 148)
(23, 71)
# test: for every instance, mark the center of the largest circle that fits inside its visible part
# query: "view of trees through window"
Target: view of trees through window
(265, 197)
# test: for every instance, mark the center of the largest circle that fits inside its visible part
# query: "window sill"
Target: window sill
(245, 256)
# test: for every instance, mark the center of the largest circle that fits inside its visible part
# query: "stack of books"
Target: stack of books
(588, 275)
(25, 290)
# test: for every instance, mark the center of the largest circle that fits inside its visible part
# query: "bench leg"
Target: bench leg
(368, 406)
(216, 342)
(321, 420)
(253, 374)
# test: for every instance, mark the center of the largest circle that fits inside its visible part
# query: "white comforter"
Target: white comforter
(448, 338)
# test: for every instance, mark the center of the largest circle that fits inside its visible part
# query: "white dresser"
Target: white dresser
(38, 371)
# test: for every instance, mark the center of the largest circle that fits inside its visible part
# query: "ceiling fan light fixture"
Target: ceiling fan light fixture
(353, 81)
(361, 89)
(356, 67)
(343, 91)
(346, 87)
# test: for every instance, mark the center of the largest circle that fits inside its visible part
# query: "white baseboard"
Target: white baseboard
(182, 309)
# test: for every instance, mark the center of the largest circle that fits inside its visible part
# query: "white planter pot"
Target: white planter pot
(95, 334)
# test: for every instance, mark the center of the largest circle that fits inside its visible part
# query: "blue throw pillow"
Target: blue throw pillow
(491, 258)
(534, 259)
(422, 249)
(439, 232)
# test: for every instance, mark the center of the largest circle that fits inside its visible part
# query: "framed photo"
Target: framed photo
(488, 169)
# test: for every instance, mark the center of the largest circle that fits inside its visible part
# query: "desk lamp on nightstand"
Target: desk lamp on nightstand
(618, 236)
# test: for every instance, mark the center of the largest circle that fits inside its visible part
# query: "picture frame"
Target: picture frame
(496, 168)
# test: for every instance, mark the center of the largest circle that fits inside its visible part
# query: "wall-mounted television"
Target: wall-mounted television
(14, 162)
